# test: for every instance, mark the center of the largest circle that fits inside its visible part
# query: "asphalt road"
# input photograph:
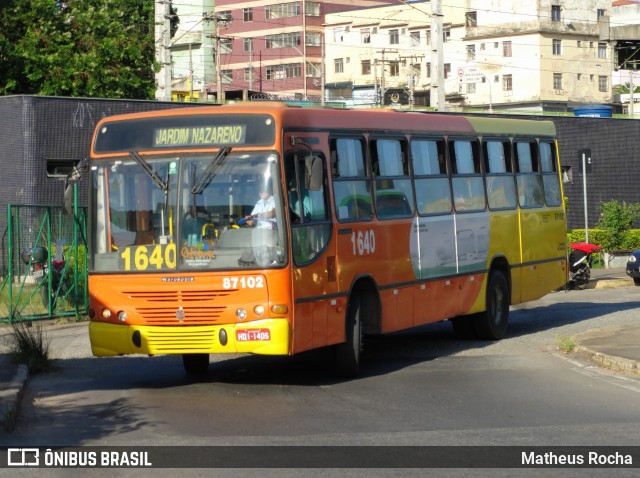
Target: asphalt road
(418, 388)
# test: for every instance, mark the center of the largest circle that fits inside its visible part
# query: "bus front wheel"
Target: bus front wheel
(347, 354)
(492, 323)
(195, 364)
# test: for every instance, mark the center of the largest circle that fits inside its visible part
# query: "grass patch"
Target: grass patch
(566, 344)
(29, 345)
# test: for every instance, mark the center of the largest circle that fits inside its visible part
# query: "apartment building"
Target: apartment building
(192, 50)
(270, 48)
(498, 54)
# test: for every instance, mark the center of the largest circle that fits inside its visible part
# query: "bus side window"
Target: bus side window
(530, 191)
(468, 186)
(394, 196)
(351, 186)
(433, 193)
(310, 221)
(550, 173)
(501, 190)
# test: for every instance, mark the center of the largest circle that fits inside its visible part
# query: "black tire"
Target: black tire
(195, 364)
(636, 280)
(44, 294)
(492, 323)
(463, 327)
(347, 354)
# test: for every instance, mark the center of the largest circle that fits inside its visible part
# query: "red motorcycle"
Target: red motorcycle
(37, 259)
(580, 262)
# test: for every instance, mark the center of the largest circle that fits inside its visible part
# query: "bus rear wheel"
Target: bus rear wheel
(195, 364)
(347, 354)
(492, 323)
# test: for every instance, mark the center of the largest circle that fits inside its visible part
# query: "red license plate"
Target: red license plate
(253, 335)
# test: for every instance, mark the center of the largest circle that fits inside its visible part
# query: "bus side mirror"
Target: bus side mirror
(67, 199)
(70, 181)
(314, 170)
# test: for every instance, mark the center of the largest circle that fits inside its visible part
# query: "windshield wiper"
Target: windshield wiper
(211, 168)
(157, 180)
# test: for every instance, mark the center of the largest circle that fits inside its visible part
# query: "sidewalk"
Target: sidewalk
(616, 347)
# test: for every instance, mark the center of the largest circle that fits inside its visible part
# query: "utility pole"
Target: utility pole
(322, 80)
(437, 56)
(218, 21)
(383, 62)
(162, 13)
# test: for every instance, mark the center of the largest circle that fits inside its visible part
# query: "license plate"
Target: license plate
(253, 335)
(38, 273)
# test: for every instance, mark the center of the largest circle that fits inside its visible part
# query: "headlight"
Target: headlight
(632, 258)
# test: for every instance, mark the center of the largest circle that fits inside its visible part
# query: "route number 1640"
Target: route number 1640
(363, 242)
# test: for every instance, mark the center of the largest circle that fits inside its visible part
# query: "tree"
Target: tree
(89, 48)
(616, 218)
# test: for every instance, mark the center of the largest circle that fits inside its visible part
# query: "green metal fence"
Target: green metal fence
(28, 294)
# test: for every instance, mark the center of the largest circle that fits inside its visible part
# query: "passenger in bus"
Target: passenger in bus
(263, 215)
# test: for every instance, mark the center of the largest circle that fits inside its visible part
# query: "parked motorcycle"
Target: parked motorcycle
(37, 259)
(580, 262)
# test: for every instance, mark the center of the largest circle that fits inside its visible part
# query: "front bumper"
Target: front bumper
(633, 270)
(267, 337)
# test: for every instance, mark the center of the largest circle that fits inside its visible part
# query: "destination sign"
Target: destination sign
(184, 130)
(200, 136)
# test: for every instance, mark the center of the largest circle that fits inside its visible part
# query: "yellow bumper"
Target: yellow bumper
(266, 337)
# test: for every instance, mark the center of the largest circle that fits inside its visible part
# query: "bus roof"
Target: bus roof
(357, 120)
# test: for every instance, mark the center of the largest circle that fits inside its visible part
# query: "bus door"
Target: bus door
(318, 318)
(540, 203)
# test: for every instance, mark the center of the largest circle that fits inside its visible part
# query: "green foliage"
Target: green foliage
(616, 219)
(89, 48)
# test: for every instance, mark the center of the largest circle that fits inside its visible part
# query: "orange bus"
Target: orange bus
(269, 229)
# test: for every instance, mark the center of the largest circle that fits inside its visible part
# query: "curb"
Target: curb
(11, 396)
(611, 362)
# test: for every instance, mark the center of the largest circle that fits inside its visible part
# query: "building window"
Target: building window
(365, 67)
(427, 37)
(312, 39)
(247, 45)
(248, 74)
(247, 15)
(282, 10)
(471, 52)
(471, 19)
(312, 9)
(579, 44)
(282, 40)
(313, 70)
(506, 48)
(602, 50)
(338, 34)
(556, 15)
(507, 83)
(280, 72)
(447, 70)
(394, 68)
(226, 46)
(603, 84)
(557, 81)
(446, 34)
(557, 47)
(338, 65)
(428, 69)
(414, 38)
(394, 37)
(579, 76)
(471, 88)
(227, 77)
(601, 13)
(365, 35)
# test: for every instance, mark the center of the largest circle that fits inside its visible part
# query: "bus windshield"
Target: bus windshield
(198, 212)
